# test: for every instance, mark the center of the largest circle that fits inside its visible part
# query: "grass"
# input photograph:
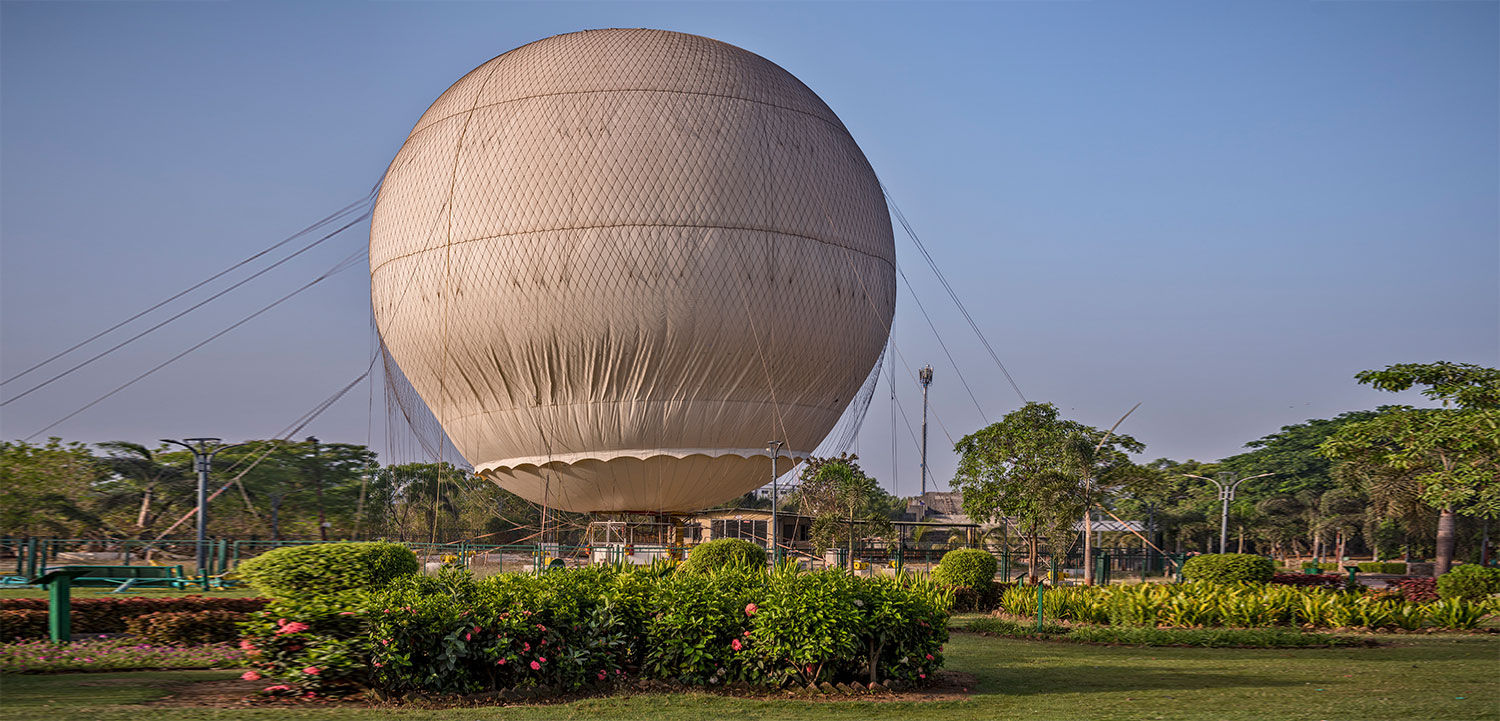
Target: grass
(1427, 677)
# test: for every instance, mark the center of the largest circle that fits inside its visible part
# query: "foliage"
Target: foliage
(1469, 581)
(1136, 636)
(1027, 467)
(1418, 590)
(102, 654)
(568, 628)
(327, 567)
(1461, 384)
(966, 568)
(1245, 605)
(1382, 567)
(47, 488)
(846, 505)
(1229, 568)
(724, 552)
(1309, 580)
(1455, 454)
(27, 617)
(184, 628)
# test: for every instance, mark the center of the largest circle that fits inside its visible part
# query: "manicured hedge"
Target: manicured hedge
(724, 552)
(1383, 567)
(1306, 580)
(187, 628)
(299, 571)
(27, 617)
(1229, 568)
(569, 628)
(1469, 581)
(966, 567)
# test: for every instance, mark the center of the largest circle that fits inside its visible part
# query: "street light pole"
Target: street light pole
(924, 377)
(1226, 482)
(203, 450)
(775, 448)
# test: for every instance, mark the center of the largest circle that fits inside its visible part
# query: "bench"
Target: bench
(124, 578)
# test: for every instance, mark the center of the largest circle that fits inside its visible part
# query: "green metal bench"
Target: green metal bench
(124, 578)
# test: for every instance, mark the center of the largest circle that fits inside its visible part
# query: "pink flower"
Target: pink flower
(311, 670)
(346, 613)
(501, 662)
(544, 642)
(750, 609)
(921, 675)
(385, 642)
(929, 657)
(250, 676)
(293, 627)
(280, 622)
(246, 645)
(747, 633)
(735, 644)
(525, 647)
(540, 627)
(277, 688)
(309, 694)
(377, 664)
(476, 629)
(467, 636)
(602, 675)
(543, 659)
(536, 666)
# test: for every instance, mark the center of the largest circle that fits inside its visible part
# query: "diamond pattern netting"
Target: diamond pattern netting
(614, 263)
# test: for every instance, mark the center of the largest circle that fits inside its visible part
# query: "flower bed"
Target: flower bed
(112, 654)
(27, 617)
(566, 629)
(1200, 605)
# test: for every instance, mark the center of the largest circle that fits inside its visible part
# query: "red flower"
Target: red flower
(735, 644)
(250, 676)
(750, 609)
(536, 666)
(311, 670)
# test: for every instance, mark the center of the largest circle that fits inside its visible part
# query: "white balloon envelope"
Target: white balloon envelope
(615, 263)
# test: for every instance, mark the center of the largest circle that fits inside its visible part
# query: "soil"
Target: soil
(236, 693)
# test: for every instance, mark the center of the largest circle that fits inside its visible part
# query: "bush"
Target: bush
(1381, 567)
(22, 623)
(1418, 590)
(294, 571)
(966, 568)
(566, 629)
(1201, 637)
(724, 552)
(1303, 580)
(108, 615)
(1229, 568)
(1320, 566)
(1470, 582)
(186, 628)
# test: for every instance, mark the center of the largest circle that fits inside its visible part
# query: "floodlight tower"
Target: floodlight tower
(203, 450)
(924, 377)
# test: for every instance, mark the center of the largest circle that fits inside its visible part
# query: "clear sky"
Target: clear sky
(1220, 210)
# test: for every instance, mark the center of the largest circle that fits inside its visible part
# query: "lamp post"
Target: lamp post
(775, 448)
(203, 450)
(1226, 482)
(924, 377)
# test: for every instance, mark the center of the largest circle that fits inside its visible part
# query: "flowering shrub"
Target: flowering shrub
(187, 627)
(100, 654)
(567, 628)
(27, 617)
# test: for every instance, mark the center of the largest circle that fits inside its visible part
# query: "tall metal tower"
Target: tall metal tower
(924, 377)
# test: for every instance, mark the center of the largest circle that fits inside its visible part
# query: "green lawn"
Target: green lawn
(1413, 677)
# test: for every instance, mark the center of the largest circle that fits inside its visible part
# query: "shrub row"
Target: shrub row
(567, 628)
(1198, 605)
(1470, 582)
(1229, 568)
(1305, 580)
(27, 617)
(1137, 636)
(187, 628)
(1383, 567)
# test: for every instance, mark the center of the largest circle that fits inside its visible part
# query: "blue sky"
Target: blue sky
(1220, 210)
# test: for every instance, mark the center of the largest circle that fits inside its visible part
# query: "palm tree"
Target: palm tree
(143, 478)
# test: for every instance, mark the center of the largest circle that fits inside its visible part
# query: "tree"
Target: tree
(1453, 454)
(48, 488)
(141, 478)
(1037, 468)
(841, 499)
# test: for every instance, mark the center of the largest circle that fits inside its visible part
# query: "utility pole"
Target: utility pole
(318, 484)
(1226, 482)
(203, 450)
(924, 377)
(775, 448)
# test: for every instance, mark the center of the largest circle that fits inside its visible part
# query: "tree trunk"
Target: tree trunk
(1445, 542)
(275, 517)
(140, 519)
(1088, 548)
